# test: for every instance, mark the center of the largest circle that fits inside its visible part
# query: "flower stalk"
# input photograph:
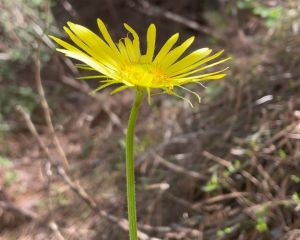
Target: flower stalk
(130, 173)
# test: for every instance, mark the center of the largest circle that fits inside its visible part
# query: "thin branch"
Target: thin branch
(30, 215)
(147, 8)
(46, 109)
(78, 189)
(178, 169)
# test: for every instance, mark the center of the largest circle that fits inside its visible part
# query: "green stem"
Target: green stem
(131, 202)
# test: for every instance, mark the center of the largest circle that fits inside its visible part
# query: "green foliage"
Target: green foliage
(296, 197)
(225, 231)
(15, 95)
(21, 24)
(271, 15)
(5, 162)
(282, 154)
(86, 148)
(258, 137)
(212, 184)
(35, 2)
(295, 178)
(261, 224)
(245, 4)
(10, 175)
(60, 198)
(232, 168)
(261, 219)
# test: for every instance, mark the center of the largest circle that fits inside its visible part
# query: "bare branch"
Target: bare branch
(149, 9)
(78, 189)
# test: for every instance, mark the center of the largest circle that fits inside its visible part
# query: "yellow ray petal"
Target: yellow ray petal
(166, 48)
(65, 44)
(91, 39)
(130, 50)
(136, 39)
(89, 61)
(151, 38)
(84, 67)
(176, 53)
(107, 36)
(188, 60)
(189, 70)
(203, 68)
(123, 51)
(184, 80)
(92, 49)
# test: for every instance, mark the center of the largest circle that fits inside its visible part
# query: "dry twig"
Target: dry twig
(147, 8)
(122, 223)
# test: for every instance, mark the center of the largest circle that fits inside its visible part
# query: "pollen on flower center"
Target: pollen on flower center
(144, 75)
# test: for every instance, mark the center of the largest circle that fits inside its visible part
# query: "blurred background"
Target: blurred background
(229, 168)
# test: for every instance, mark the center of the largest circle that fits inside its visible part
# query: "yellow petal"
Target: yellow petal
(151, 38)
(176, 53)
(89, 61)
(123, 51)
(65, 44)
(188, 60)
(189, 70)
(166, 48)
(197, 78)
(91, 39)
(107, 36)
(92, 49)
(130, 50)
(136, 39)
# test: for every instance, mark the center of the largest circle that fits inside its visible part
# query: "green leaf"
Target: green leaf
(9, 178)
(212, 184)
(295, 178)
(5, 162)
(296, 197)
(261, 224)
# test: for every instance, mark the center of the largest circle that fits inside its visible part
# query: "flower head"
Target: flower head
(125, 65)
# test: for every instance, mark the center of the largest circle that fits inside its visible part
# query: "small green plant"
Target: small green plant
(60, 198)
(10, 175)
(212, 184)
(295, 178)
(17, 95)
(5, 162)
(271, 15)
(261, 224)
(296, 197)
(261, 219)
(282, 154)
(232, 168)
(226, 231)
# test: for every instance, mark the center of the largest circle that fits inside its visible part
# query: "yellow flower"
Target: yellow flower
(123, 63)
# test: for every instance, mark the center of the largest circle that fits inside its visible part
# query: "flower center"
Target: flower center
(144, 75)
